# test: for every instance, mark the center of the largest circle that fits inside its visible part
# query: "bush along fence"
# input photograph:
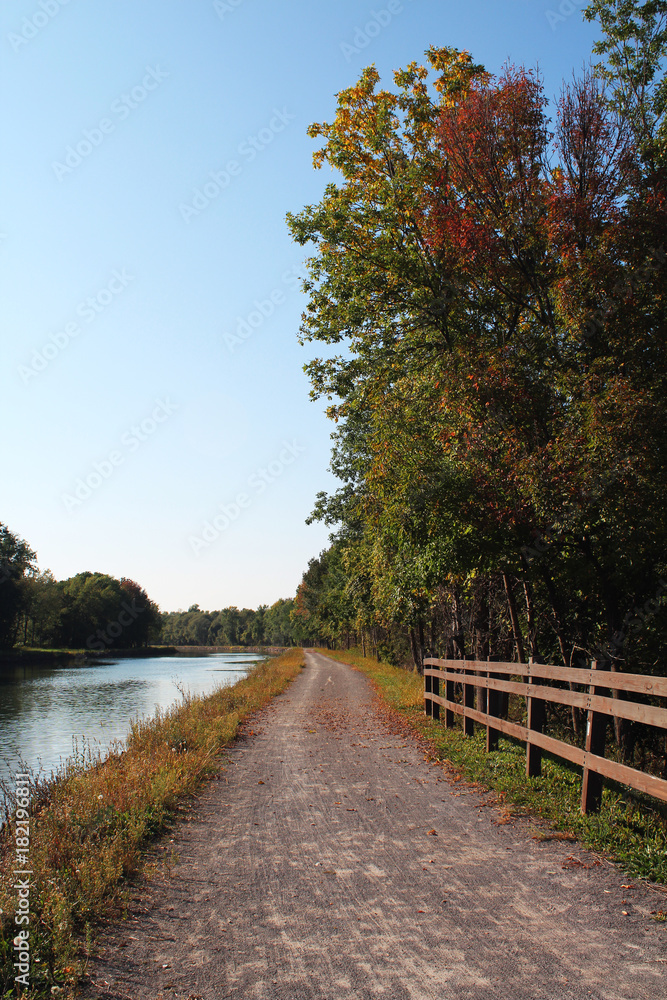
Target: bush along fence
(607, 695)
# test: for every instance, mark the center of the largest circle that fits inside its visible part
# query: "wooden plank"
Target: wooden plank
(657, 787)
(509, 728)
(649, 715)
(638, 683)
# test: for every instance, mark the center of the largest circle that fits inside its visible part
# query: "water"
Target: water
(45, 711)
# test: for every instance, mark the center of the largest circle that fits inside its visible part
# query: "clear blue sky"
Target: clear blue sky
(149, 334)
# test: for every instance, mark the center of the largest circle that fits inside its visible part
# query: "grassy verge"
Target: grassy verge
(89, 824)
(34, 656)
(629, 829)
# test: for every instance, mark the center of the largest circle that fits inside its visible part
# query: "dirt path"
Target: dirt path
(309, 871)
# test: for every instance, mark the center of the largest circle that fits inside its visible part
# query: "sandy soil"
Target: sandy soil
(331, 860)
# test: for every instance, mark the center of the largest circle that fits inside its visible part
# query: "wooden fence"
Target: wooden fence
(492, 682)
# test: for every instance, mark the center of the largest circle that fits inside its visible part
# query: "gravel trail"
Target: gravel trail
(331, 861)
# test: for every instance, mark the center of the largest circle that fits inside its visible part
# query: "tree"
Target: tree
(92, 602)
(145, 615)
(279, 630)
(498, 282)
(17, 565)
(635, 47)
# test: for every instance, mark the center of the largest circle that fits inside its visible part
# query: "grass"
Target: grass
(90, 824)
(630, 829)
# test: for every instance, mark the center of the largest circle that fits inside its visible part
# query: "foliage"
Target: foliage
(635, 46)
(496, 280)
(230, 626)
(88, 611)
(17, 564)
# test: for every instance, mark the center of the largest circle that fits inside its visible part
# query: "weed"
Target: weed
(90, 822)
(629, 828)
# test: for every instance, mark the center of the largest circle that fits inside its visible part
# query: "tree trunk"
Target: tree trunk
(516, 626)
(610, 598)
(577, 713)
(414, 649)
(458, 639)
(530, 614)
(422, 646)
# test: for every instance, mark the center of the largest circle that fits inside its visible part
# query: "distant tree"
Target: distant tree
(17, 564)
(145, 615)
(42, 613)
(278, 627)
(92, 606)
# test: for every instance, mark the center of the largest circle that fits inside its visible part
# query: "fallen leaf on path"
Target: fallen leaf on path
(431, 833)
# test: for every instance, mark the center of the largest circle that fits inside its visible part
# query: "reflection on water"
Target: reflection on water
(44, 712)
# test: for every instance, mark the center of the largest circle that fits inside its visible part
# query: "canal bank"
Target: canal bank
(90, 824)
(70, 657)
(51, 711)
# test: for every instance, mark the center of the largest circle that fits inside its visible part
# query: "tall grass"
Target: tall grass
(90, 822)
(629, 828)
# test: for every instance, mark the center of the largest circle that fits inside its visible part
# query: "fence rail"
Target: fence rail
(485, 684)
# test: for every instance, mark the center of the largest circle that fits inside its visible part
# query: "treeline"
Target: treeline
(266, 626)
(497, 276)
(97, 612)
(88, 611)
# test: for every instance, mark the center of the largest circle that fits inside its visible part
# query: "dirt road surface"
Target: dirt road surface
(330, 860)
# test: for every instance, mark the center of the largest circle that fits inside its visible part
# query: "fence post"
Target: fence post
(596, 727)
(435, 708)
(535, 721)
(492, 708)
(449, 695)
(428, 704)
(468, 702)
